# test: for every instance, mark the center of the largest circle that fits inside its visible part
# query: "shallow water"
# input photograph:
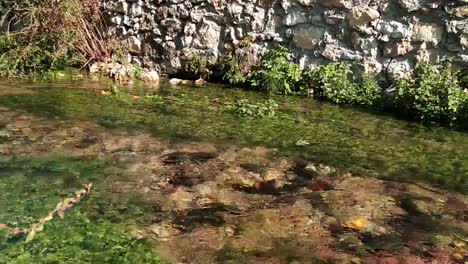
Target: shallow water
(355, 140)
(216, 202)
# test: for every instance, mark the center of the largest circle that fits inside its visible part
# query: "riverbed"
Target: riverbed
(178, 178)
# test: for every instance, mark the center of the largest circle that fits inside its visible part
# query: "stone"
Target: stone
(121, 7)
(294, 18)
(133, 44)
(337, 3)
(94, 68)
(207, 37)
(393, 29)
(176, 81)
(136, 10)
(338, 51)
(427, 32)
(457, 27)
(307, 37)
(360, 16)
(410, 5)
(117, 20)
(370, 66)
(398, 69)
(461, 11)
(397, 49)
(333, 17)
(464, 41)
(424, 55)
(151, 76)
(307, 62)
(182, 199)
(308, 3)
(369, 47)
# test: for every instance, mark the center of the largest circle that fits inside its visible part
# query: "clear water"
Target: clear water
(356, 140)
(98, 230)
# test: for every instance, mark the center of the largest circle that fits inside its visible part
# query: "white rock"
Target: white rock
(295, 18)
(427, 32)
(410, 5)
(151, 76)
(308, 37)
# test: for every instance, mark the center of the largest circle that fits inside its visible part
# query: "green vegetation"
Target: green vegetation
(89, 232)
(56, 35)
(433, 94)
(231, 70)
(334, 82)
(277, 74)
(247, 109)
(137, 72)
(344, 137)
(196, 66)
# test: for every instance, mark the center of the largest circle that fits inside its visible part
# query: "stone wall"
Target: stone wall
(384, 36)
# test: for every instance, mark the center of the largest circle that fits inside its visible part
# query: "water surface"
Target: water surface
(356, 140)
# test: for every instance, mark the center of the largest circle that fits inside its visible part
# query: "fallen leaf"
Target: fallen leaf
(357, 224)
(105, 93)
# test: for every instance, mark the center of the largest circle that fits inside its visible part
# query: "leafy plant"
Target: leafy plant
(277, 74)
(433, 94)
(247, 109)
(335, 82)
(369, 91)
(198, 66)
(231, 70)
(137, 72)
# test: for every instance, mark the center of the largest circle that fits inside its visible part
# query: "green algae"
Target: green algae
(348, 138)
(85, 235)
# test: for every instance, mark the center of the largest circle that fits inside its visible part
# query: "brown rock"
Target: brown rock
(398, 49)
(461, 11)
(360, 16)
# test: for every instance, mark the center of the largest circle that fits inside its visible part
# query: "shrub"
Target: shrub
(17, 59)
(334, 82)
(434, 93)
(277, 74)
(246, 109)
(195, 65)
(55, 34)
(369, 91)
(231, 70)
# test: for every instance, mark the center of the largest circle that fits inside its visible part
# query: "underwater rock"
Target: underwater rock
(151, 76)
(176, 81)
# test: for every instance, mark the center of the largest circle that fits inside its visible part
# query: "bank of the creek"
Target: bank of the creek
(178, 179)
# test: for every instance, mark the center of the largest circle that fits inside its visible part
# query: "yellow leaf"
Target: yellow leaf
(458, 256)
(247, 182)
(357, 223)
(106, 93)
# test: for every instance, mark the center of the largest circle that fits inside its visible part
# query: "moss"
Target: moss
(85, 235)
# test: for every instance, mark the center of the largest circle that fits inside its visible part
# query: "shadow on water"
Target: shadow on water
(344, 137)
